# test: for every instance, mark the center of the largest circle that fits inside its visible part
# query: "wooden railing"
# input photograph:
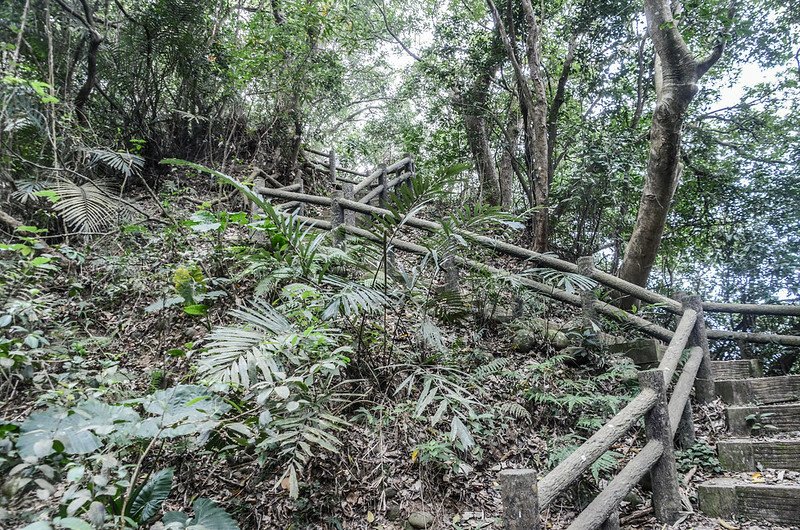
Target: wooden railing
(664, 419)
(382, 180)
(524, 495)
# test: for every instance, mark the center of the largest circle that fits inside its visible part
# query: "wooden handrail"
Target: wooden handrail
(645, 326)
(683, 388)
(570, 469)
(606, 502)
(669, 363)
(753, 309)
(608, 280)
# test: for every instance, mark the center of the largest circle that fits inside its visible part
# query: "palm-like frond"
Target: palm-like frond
(126, 164)
(85, 208)
(569, 281)
(352, 298)
(26, 190)
(237, 354)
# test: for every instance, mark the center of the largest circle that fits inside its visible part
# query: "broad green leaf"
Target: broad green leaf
(148, 499)
(210, 516)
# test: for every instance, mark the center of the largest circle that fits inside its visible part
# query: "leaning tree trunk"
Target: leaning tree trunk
(473, 109)
(677, 73)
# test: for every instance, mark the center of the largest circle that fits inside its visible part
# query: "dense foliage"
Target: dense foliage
(177, 352)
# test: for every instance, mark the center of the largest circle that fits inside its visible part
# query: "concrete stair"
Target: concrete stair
(762, 390)
(746, 454)
(731, 498)
(757, 406)
(741, 369)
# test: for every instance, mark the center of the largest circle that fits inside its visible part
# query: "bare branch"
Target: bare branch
(394, 35)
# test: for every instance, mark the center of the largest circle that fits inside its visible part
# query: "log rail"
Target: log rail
(666, 419)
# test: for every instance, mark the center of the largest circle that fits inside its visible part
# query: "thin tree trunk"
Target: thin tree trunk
(473, 107)
(541, 187)
(533, 107)
(555, 108)
(507, 158)
(677, 73)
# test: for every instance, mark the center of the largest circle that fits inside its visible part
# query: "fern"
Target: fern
(85, 208)
(126, 164)
(514, 410)
(494, 366)
(607, 463)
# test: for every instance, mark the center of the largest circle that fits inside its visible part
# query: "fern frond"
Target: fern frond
(85, 208)
(515, 410)
(492, 367)
(124, 163)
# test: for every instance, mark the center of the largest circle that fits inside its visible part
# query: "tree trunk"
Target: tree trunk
(506, 171)
(533, 107)
(95, 39)
(473, 109)
(677, 73)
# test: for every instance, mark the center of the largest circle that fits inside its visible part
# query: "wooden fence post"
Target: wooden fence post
(412, 170)
(301, 209)
(337, 219)
(663, 476)
(383, 196)
(704, 384)
(520, 494)
(347, 193)
(332, 166)
(588, 298)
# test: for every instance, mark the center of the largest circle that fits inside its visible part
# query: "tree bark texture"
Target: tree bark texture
(533, 107)
(677, 73)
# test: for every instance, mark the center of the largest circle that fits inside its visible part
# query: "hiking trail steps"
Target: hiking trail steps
(763, 419)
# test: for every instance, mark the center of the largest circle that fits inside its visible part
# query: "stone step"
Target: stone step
(739, 369)
(645, 353)
(782, 418)
(729, 498)
(762, 390)
(744, 454)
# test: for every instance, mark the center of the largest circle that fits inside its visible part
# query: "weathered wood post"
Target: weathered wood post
(349, 194)
(383, 196)
(337, 219)
(298, 180)
(412, 170)
(259, 182)
(663, 476)
(588, 298)
(520, 494)
(704, 384)
(332, 167)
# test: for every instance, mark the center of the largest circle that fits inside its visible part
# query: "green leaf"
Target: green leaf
(147, 501)
(38, 525)
(196, 309)
(211, 517)
(73, 523)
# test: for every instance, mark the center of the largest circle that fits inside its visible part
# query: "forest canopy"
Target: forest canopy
(154, 302)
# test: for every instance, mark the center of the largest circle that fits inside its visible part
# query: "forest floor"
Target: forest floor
(379, 477)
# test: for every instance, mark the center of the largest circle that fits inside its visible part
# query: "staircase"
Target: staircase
(761, 457)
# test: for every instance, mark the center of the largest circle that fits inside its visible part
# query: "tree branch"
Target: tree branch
(393, 34)
(710, 60)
